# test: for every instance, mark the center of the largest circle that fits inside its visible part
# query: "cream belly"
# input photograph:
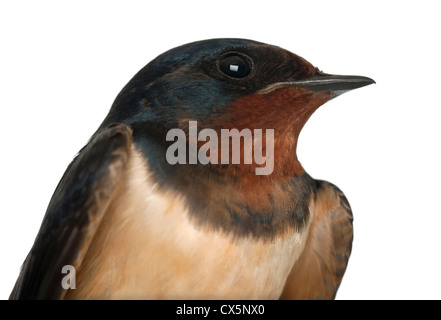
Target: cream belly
(148, 248)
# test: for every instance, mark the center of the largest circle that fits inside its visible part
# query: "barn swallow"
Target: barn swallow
(131, 225)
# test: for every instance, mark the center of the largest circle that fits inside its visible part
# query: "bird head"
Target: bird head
(230, 83)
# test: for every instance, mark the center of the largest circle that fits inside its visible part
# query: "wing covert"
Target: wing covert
(74, 214)
(319, 270)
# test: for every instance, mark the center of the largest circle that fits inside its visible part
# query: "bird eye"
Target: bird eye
(235, 65)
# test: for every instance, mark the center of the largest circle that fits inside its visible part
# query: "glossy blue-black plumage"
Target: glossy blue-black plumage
(176, 85)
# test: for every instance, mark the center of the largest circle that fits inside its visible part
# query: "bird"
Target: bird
(129, 223)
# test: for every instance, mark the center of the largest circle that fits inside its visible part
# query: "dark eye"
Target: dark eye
(235, 65)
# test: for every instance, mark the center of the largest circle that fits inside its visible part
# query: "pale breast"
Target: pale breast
(147, 247)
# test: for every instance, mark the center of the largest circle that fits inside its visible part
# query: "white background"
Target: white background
(62, 64)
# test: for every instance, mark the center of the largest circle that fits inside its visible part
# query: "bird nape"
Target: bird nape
(191, 187)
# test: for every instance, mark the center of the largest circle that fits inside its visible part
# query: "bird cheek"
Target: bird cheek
(280, 109)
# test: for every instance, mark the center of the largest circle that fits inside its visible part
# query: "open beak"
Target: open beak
(322, 82)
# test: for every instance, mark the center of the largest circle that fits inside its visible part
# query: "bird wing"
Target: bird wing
(74, 214)
(319, 270)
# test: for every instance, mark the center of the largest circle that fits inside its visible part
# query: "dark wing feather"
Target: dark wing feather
(74, 214)
(318, 272)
